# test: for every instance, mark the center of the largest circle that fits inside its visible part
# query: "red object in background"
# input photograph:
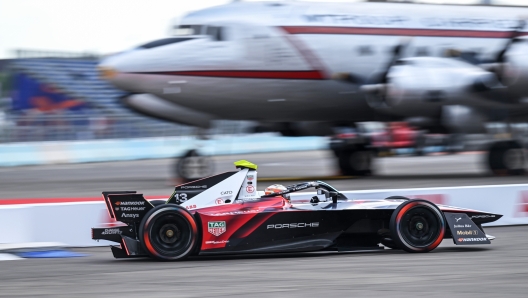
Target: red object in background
(396, 135)
(401, 135)
(521, 209)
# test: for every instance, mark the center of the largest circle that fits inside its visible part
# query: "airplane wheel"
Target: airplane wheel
(355, 162)
(193, 166)
(417, 226)
(168, 233)
(507, 158)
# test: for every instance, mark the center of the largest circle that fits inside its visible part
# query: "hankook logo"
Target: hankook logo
(294, 225)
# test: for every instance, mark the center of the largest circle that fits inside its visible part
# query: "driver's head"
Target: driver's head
(274, 189)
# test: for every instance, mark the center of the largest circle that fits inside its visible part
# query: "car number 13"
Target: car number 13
(181, 197)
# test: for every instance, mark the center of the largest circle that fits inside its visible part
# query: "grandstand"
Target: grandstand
(59, 96)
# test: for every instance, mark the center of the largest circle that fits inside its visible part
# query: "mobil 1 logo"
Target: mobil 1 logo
(464, 230)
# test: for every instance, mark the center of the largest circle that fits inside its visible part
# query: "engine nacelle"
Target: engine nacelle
(515, 72)
(420, 86)
(156, 107)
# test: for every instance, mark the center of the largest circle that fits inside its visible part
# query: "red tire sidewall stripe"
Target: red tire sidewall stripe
(439, 213)
(146, 235)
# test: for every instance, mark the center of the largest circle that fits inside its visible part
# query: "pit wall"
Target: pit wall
(70, 222)
(39, 153)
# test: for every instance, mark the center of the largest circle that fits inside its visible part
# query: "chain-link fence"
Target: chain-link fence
(53, 127)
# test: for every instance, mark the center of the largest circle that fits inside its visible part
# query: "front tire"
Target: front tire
(417, 226)
(168, 232)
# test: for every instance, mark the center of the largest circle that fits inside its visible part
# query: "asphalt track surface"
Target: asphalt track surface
(496, 270)
(154, 177)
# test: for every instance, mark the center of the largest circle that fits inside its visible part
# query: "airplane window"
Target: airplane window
(365, 50)
(216, 33)
(183, 30)
(422, 51)
(162, 42)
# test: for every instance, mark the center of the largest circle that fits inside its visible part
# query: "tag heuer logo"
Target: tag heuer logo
(216, 228)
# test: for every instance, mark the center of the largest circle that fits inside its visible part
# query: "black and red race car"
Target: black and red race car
(225, 214)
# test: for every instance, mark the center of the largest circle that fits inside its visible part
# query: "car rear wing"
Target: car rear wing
(126, 206)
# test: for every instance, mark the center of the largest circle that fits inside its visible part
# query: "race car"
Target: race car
(225, 214)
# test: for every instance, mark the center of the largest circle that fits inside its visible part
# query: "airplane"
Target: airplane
(305, 68)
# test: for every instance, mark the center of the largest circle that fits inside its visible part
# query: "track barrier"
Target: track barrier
(39, 153)
(23, 221)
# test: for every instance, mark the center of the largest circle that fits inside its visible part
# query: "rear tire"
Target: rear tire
(168, 232)
(417, 226)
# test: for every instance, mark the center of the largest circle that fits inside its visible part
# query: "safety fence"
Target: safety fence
(69, 221)
(38, 153)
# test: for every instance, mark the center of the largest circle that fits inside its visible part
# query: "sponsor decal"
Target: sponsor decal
(217, 242)
(472, 239)
(457, 219)
(250, 189)
(131, 203)
(467, 233)
(294, 225)
(462, 226)
(111, 232)
(116, 208)
(483, 216)
(228, 192)
(190, 207)
(219, 201)
(133, 208)
(237, 212)
(216, 228)
(130, 215)
(250, 177)
(193, 186)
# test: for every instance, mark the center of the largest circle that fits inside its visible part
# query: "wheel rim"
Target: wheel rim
(170, 234)
(194, 167)
(514, 159)
(420, 227)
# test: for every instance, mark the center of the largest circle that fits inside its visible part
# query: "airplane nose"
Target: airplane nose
(106, 72)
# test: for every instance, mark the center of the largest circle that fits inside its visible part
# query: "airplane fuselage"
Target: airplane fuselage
(275, 61)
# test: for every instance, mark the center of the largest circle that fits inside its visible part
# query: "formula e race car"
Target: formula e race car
(225, 214)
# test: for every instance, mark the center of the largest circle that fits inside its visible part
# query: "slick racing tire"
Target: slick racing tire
(168, 232)
(417, 226)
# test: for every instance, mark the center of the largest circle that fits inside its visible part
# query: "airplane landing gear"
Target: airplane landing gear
(506, 158)
(355, 160)
(193, 166)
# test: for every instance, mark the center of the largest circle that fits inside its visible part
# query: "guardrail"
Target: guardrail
(58, 220)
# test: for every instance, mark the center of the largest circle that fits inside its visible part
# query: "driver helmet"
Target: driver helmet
(276, 188)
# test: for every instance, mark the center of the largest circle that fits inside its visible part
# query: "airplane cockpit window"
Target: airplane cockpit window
(183, 30)
(216, 33)
(162, 42)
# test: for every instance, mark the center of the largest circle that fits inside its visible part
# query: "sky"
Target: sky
(101, 26)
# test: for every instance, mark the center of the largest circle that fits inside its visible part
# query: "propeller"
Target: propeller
(381, 79)
(501, 56)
